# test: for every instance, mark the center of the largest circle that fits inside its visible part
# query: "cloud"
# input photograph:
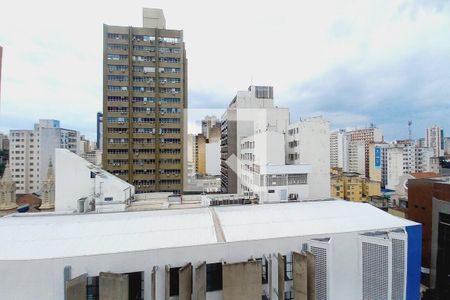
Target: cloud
(355, 62)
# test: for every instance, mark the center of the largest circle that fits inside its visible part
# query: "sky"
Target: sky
(353, 62)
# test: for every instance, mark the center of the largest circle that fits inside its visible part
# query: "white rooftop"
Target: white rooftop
(40, 236)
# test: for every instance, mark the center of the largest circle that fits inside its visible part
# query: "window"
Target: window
(117, 57)
(288, 295)
(169, 90)
(171, 60)
(119, 120)
(143, 89)
(117, 109)
(143, 48)
(143, 58)
(169, 50)
(168, 40)
(144, 109)
(164, 80)
(143, 38)
(122, 68)
(169, 100)
(117, 98)
(295, 179)
(170, 110)
(288, 267)
(174, 282)
(214, 277)
(169, 70)
(117, 36)
(144, 130)
(144, 99)
(92, 288)
(169, 120)
(118, 47)
(118, 77)
(117, 88)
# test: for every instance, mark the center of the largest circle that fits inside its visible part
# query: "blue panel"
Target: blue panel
(414, 261)
(377, 158)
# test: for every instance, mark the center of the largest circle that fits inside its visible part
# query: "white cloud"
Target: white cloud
(53, 49)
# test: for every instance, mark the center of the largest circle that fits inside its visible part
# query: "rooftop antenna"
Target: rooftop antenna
(409, 130)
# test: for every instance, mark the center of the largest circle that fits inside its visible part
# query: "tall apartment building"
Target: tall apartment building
(211, 128)
(308, 143)
(31, 151)
(368, 136)
(356, 157)
(250, 112)
(144, 98)
(339, 150)
(4, 141)
(387, 165)
(434, 138)
(99, 141)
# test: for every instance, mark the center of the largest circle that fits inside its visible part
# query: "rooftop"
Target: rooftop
(52, 235)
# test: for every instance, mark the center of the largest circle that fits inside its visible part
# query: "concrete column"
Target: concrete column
(242, 281)
(185, 282)
(76, 288)
(281, 273)
(200, 282)
(113, 286)
(153, 285)
(299, 272)
(311, 274)
(167, 283)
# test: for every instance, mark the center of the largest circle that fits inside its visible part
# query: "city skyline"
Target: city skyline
(354, 70)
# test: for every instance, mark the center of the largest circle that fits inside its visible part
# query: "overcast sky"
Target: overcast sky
(354, 62)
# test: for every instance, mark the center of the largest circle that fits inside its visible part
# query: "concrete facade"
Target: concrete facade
(307, 142)
(32, 150)
(434, 138)
(339, 150)
(250, 112)
(144, 102)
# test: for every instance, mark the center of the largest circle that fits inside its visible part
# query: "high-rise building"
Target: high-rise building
(4, 141)
(356, 157)
(434, 138)
(211, 128)
(144, 97)
(250, 112)
(308, 143)
(99, 145)
(339, 150)
(32, 150)
(368, 136)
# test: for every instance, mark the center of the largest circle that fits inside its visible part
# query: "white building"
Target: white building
(212, 158)
(413, 159)
(330, 249)
(249, 112)
(357, 157)
(339, 150)
(31, 150)
(395, 165)
(434, 138)
(308, 142)
(264, 172)
(423, 157)
(81, 186)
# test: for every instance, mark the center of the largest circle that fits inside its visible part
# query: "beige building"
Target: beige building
(368, 136)
(354, 187)
(144, 102)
